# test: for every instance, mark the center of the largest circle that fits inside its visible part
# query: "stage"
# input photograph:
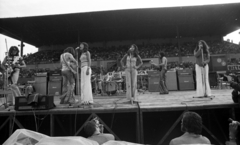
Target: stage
(119, 116)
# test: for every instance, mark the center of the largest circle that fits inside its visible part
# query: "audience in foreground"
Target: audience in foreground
(192, 127)
(233, 133)
(94, 131)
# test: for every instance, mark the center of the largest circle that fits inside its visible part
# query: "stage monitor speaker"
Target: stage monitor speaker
(153, 81)
(171, 81)
(41, 84)
(218, 63)
(213, 81)
(185, 79)
(44, 102)
(54, 87)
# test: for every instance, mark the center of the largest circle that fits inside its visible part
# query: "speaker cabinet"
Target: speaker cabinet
(171, 81)
(153, 81)
(54, 87)
(41, 84)
(213, 79)
(185, 79)
(55, 78)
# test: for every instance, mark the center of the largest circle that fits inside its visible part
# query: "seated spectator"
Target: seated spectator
(94, 131)
(192, 127)
(233, 134)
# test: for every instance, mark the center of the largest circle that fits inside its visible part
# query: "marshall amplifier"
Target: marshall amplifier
(41, 83)
(185, 79)
(55, 83)
(153, 81)
(171, 81)
(34, 102)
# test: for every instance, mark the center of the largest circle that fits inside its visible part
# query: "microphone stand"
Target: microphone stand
(77, 82)
(204, 75)
(131, 79)
(5, 85)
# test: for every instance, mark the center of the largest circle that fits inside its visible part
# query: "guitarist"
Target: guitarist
(69, 66)
(163, 69)
(12, 64)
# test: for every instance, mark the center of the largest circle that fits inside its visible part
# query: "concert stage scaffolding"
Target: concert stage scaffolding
(155, 119)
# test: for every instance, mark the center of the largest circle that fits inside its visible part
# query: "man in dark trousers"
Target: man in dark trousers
(163, 67)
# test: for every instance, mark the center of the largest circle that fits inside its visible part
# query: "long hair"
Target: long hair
(162, 54)
(192, 123)
(85, 46)
(90, 128)
(70, 50)
(135, 52)
(204, 47)
(12, 48)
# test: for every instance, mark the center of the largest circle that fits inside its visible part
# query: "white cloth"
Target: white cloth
(86, 86)
(21, 136)
(202, 80)
(66, 141)
(112, 142)
(24, 137)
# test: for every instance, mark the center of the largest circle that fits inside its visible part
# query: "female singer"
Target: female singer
(68, 71)
(131, 71)
(13, 62)
(202, 55)
(86, 87)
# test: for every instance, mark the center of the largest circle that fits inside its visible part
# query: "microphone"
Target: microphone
(77, 48)
(231, 120)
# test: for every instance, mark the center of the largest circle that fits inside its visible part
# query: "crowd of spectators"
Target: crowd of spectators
(145, 51)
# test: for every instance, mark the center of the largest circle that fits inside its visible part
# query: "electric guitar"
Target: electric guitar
(11, 66)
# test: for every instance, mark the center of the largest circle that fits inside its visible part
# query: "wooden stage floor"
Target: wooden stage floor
(150, 101)
(137, 114)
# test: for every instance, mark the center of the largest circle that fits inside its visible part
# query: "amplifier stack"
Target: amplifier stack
(171, 80)
(55, 83)
(185, 79)
(153, 81)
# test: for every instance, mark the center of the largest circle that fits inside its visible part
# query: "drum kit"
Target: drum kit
(109, 84)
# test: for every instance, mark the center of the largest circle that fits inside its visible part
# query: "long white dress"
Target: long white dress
(86, 86)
